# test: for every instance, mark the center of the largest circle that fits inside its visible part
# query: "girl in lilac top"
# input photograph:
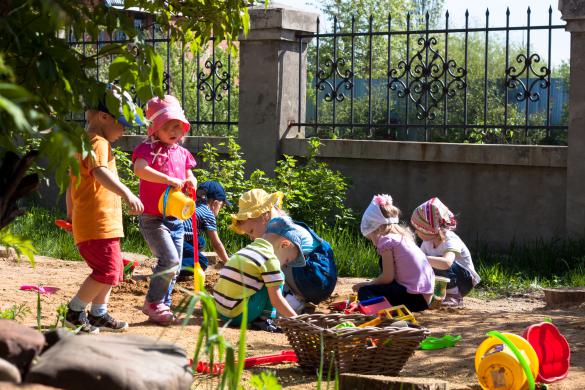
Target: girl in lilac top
(407, 278)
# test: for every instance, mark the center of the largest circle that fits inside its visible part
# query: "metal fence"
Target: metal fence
(417, 81)
(205, 83)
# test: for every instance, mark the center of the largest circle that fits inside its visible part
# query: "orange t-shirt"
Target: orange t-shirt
(97, 211)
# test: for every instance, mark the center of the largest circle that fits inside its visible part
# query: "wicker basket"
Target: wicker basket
(372, 350)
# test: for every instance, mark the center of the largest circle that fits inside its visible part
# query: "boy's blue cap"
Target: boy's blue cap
(120, 115)
(214, 190)
(284, 227)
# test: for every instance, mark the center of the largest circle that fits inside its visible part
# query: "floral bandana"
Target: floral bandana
(432, 216)
(373, 217)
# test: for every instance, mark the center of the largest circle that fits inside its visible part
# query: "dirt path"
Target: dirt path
(454, 365)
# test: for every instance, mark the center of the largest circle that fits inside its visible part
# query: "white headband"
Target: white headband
(373, 217)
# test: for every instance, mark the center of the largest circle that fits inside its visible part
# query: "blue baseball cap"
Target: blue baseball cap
(284, 227)
(214, 190)
(117, 91)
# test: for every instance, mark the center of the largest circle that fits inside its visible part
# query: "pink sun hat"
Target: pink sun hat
(160, 111)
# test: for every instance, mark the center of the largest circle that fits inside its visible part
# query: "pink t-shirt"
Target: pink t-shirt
(173, 160)
(411, 267)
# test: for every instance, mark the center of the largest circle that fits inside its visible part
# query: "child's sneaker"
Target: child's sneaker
(107, 323)
(267, 325)
(77, 320)
(452, 301)
(158, 312)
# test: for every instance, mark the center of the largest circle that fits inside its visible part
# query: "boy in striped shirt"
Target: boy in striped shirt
(254, 272)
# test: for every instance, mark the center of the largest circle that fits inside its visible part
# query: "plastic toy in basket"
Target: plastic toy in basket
(374, 305)
(396, 313)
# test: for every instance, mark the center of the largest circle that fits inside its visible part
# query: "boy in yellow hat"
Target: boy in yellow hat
(316, 280)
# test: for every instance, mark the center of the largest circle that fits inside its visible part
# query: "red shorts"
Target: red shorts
(104, 257)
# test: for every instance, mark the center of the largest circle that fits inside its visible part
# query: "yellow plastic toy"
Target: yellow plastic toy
(174, 203)
(505, 361)
(398, 313)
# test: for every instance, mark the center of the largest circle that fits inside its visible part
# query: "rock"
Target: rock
(52, 337)
(381, 382)
(127, 362)
(19, 344)
(555, 297)
(9, 372)
(12, 386)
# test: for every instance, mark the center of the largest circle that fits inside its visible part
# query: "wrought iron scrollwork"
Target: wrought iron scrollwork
(513, 76)
(426, 70)
(166, 82)
(323, 80)
(205, 81)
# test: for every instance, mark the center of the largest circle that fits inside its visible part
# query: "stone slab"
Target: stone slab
(382, 382)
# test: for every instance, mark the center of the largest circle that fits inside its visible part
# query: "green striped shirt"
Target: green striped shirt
(246, 272)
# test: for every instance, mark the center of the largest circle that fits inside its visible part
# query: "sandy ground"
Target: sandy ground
(455, 364)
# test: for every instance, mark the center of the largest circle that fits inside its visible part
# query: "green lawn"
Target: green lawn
(520, 268)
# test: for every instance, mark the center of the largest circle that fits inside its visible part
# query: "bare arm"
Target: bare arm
(218, 246)
(107, 179)
(69, 203)
(442, 262)
(279, 303)
(387, 275)
(191, 179)
(146, 172)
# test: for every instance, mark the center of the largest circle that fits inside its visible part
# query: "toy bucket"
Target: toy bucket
(440, 287)
(174, 203)
(505, 361)
(552, 349)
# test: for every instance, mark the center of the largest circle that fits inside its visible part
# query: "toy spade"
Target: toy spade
(198, 273)
(65, 225)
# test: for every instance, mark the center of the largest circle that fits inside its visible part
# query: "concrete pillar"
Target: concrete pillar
(269, 82)
(573, 12)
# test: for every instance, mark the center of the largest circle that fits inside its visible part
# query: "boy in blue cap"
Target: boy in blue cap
(210, 199)
(254, 272)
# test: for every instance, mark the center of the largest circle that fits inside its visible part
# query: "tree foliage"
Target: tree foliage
(43, 78)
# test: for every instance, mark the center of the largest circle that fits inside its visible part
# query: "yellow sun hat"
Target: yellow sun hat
(253, 204)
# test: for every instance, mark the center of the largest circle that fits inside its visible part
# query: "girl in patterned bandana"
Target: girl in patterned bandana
(407, 277)
(160, 162)
(434, 224)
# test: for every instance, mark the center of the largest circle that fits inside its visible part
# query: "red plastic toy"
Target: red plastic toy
(65, 225)
(287, 356)
(552, 349)
(374, 305)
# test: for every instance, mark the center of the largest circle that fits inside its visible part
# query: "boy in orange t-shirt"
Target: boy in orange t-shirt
(95, 209)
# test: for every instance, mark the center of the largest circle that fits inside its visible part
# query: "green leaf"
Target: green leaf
(21, 245)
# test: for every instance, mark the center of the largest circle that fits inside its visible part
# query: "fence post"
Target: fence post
(269, 82)
(573, 12)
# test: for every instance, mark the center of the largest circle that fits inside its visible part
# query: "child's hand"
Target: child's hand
(191, 182)
(174, 182)
(357, 286)
(135, 204)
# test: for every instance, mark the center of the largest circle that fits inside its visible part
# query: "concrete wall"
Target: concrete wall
(499, 193)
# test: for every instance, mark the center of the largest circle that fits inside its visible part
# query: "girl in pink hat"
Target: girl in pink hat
(160, 162)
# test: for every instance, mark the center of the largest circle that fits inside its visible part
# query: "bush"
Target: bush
(313, 192)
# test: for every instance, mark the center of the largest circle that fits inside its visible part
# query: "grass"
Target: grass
(522, 267)
(37, 225)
